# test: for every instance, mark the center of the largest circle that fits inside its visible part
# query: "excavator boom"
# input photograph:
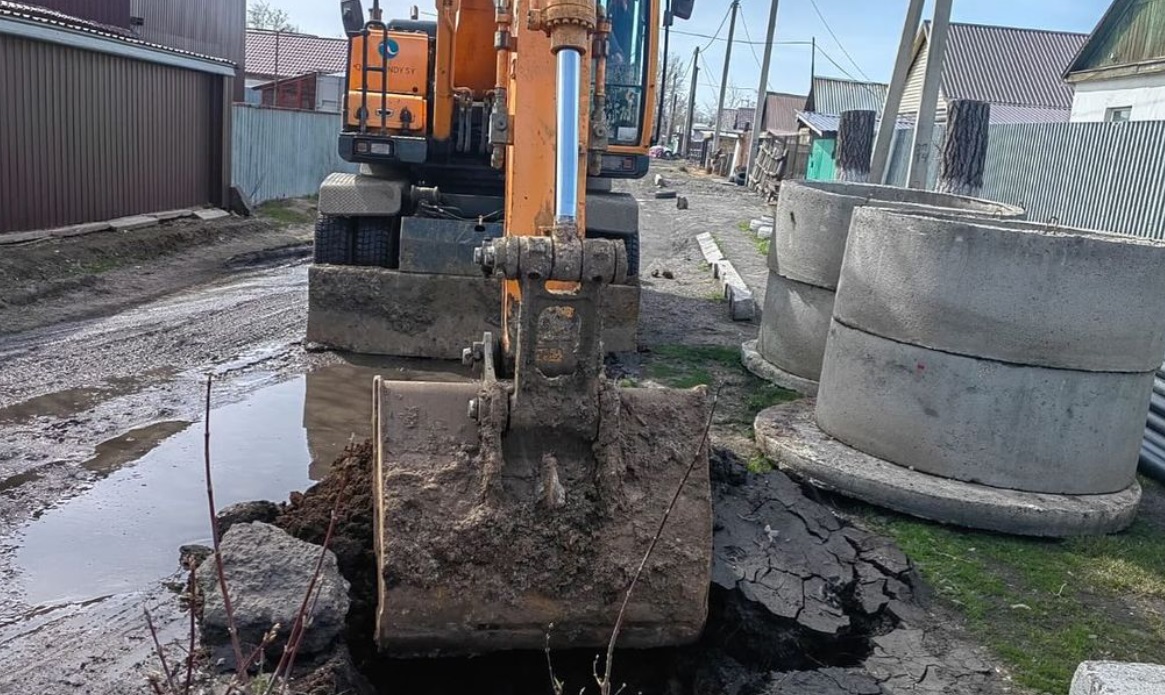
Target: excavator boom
(516, 510)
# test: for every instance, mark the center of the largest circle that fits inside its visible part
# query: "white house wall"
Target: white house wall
(1145, 93)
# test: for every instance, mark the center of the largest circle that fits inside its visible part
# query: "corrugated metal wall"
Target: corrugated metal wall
(279, 153)
(210, 27)
(111, 12)
(1107, 176)
(88, 136)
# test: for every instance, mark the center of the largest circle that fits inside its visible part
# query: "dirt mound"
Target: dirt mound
(837, 592)
(307, 516)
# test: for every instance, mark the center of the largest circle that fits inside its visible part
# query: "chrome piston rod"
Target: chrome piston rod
(566, 178)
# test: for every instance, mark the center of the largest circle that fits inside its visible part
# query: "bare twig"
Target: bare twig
(605, 683)
(554, 682)
(190, 652)
(291, 649)
(232, 627)
(155, 687)
(161, 653)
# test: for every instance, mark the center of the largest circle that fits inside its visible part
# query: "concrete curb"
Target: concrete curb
(789, 435)
(752, 360)
(741, 304)
(121, 224)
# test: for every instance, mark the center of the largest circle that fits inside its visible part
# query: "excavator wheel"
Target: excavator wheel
(334, 240)
(377, 242)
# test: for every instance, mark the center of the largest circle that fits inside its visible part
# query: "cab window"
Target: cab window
(627, 68)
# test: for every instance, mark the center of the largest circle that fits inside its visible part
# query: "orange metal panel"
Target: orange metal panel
(443, 99)
(473, 64)
(406, 57)
(393, 106)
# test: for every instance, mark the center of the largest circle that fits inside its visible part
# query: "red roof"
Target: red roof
(298, 54)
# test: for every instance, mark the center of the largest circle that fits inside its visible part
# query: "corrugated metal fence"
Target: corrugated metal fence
(1108, 176)
(280, 153)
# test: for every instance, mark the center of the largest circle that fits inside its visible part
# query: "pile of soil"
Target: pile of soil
(745, 646)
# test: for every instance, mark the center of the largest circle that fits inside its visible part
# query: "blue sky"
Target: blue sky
(867, 29)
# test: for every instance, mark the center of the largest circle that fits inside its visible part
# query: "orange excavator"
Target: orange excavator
(514, 510)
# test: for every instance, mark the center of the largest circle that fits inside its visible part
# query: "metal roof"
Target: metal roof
(1130, 34)
(834, 96)
(1008, 65)
(34, 15)
(1004, 113)
(781, 112)
(298, 54)
(827, 123)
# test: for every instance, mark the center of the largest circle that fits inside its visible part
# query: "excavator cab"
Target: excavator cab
(513, 511)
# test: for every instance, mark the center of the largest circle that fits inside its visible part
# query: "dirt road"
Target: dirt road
(101, 377)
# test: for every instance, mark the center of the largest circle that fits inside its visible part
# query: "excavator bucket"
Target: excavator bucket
(510, 513)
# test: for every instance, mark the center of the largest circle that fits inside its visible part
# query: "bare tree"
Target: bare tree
(673, 84)
(261, 15)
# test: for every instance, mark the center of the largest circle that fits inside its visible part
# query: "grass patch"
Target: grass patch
(1045, 606)
(743, 225)
(762, 246)
(285, 212)
(758, 463)
(688, 366)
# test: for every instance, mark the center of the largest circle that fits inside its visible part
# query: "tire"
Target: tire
(631, 241)
(377, 242)
(333, 240)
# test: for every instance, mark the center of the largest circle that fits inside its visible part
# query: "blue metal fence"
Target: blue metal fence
(278, 153)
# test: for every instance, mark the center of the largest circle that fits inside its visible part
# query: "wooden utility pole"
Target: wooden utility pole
(667, 20)
(897, 88)
(762, 92)
(964, 152)
(671, 119)
(924, 124)
(855, 142)
(724, 77)
(686, 143)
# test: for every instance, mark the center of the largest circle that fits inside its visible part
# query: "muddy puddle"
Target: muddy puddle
(123, 533)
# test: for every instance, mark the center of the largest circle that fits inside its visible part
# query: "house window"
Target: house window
(1119, 114)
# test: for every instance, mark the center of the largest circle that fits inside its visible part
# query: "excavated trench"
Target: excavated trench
(794, 590)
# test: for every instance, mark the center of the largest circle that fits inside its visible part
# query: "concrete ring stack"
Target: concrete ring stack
(811, 225)
(989, 373)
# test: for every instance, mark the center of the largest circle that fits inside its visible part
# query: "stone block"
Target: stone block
(211, 214)
(1118, 678)
(741, 305)
(125, 224)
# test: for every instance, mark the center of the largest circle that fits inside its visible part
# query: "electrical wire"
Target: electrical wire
(719, 29)
(864, 83)
(838, 41)
(750, 42)
(754, 43)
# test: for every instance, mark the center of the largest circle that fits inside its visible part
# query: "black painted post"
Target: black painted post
(964, 153)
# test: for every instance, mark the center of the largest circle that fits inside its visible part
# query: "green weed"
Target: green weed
(1045, 606)
(285, 212)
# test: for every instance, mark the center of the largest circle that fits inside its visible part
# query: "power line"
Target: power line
(754, 43)
(715, 36)
(837, 40)
(752, 50)
(865, 84)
